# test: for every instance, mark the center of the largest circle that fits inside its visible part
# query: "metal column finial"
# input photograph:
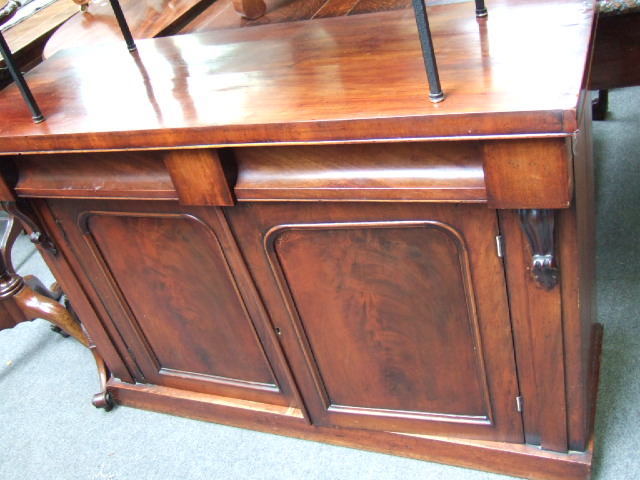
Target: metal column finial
(481, 9)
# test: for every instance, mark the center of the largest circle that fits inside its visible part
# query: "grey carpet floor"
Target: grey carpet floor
(50, 430)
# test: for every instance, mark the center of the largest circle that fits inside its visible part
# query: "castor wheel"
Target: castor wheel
(103, 400)
(600, 105)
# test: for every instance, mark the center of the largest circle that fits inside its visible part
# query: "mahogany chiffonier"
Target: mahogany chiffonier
(274, 228)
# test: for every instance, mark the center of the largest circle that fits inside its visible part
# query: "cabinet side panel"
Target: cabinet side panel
(576, 229)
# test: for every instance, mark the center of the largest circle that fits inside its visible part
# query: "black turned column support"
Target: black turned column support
(6, 13)
(538, 226)
(126, 33)
(122, 22)
(436, 95)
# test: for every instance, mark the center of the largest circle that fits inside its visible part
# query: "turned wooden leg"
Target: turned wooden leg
(54, 293)
(11, 232)
(22, 303)
(35, 305)
(102, 399)
(34, 283)
(25, 299)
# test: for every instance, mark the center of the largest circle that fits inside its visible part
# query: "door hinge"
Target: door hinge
(519, 403)
(499, 246)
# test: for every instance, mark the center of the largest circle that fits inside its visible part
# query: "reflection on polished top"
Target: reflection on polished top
(146, 18)
(518, 72)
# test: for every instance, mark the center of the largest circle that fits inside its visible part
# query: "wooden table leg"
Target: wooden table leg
(11, 232)
(25, 299)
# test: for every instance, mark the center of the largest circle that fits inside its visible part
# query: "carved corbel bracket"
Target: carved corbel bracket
(538, 226)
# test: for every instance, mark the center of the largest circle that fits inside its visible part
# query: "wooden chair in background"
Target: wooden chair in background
(616, 55)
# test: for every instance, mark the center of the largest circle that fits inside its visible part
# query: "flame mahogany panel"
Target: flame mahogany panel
(379, 305)
(175, 291)
(393, 316)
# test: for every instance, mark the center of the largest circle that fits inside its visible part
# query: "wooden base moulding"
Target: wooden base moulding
(524, 461)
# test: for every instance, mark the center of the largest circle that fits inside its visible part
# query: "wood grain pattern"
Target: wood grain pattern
(369, 6)
(71, 277)
(34, 305)
(194, 335)
(347, 289)
(556, 376)
(478, 226)
(401, 172)
(537, 321)
(577, 227)
(336, 8)
(337, 301)
(199, 177)
(338, 79)
(181, 324)
(510, 459)
(527, 173)
(96, 175)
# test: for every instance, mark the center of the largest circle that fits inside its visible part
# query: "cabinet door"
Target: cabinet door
(394, 317)
(178, 294)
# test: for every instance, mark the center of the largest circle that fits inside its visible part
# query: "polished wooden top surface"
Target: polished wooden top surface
(519, 72)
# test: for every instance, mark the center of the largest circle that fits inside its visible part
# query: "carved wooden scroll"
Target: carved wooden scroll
(538, 226)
